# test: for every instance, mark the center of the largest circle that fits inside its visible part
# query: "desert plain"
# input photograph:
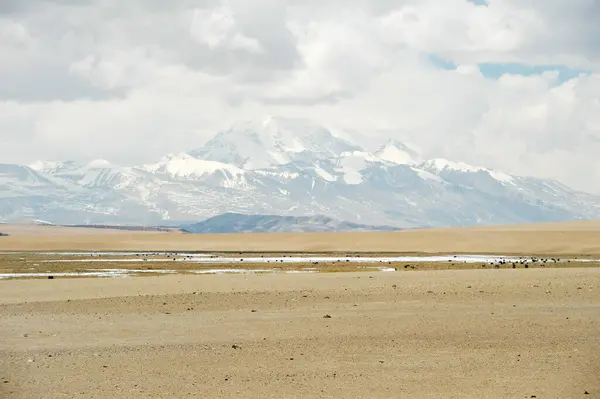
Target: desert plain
(446, 329)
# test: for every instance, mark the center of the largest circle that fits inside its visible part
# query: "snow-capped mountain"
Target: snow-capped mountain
(272, 142)
(400, 153)
(285, 167)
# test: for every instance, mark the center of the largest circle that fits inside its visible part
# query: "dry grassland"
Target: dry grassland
(574, 238)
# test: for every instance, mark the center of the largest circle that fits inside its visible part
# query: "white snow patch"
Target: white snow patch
(98, 164)
(440, 164)
(352, 163)
(324, 174)
(423, 174)
(186, 166)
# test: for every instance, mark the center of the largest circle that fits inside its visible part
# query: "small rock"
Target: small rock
(254, 310)
(585, 392)
(327, 316)
(236, 346)
(394, 286)
(50, 277)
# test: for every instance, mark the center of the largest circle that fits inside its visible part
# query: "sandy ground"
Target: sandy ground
(575, 238)
(520, 333)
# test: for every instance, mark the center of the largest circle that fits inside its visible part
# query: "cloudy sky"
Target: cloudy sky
(508, 84)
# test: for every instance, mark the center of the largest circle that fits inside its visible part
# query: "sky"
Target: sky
(512, 85)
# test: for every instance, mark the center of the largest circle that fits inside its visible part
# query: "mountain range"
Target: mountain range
(239, 223)
(285, 167)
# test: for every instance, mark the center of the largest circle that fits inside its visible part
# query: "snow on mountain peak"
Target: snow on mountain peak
(272, 142)
(185, 166)
(98, 164)
(399, 153)
(53, 167)
(440, 165)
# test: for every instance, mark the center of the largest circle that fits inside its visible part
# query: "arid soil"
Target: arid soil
(455, 334)
(426, 330)
(576, 238)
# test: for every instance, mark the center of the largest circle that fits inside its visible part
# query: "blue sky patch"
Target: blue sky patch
(441, 63)
(479, 2)
(495, 70)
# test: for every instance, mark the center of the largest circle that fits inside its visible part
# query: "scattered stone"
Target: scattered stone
(585, 392)
(327, 316)
(234, 346)
(394, 286)
(50, 277)
(254, 310)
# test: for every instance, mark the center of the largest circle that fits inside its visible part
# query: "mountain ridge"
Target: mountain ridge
(291, 167)
(240, 223)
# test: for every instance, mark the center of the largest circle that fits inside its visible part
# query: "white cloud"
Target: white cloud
(130, 81)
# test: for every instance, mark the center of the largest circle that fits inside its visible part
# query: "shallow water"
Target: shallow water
(273, 262)
(205, 258)
(132, 272)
